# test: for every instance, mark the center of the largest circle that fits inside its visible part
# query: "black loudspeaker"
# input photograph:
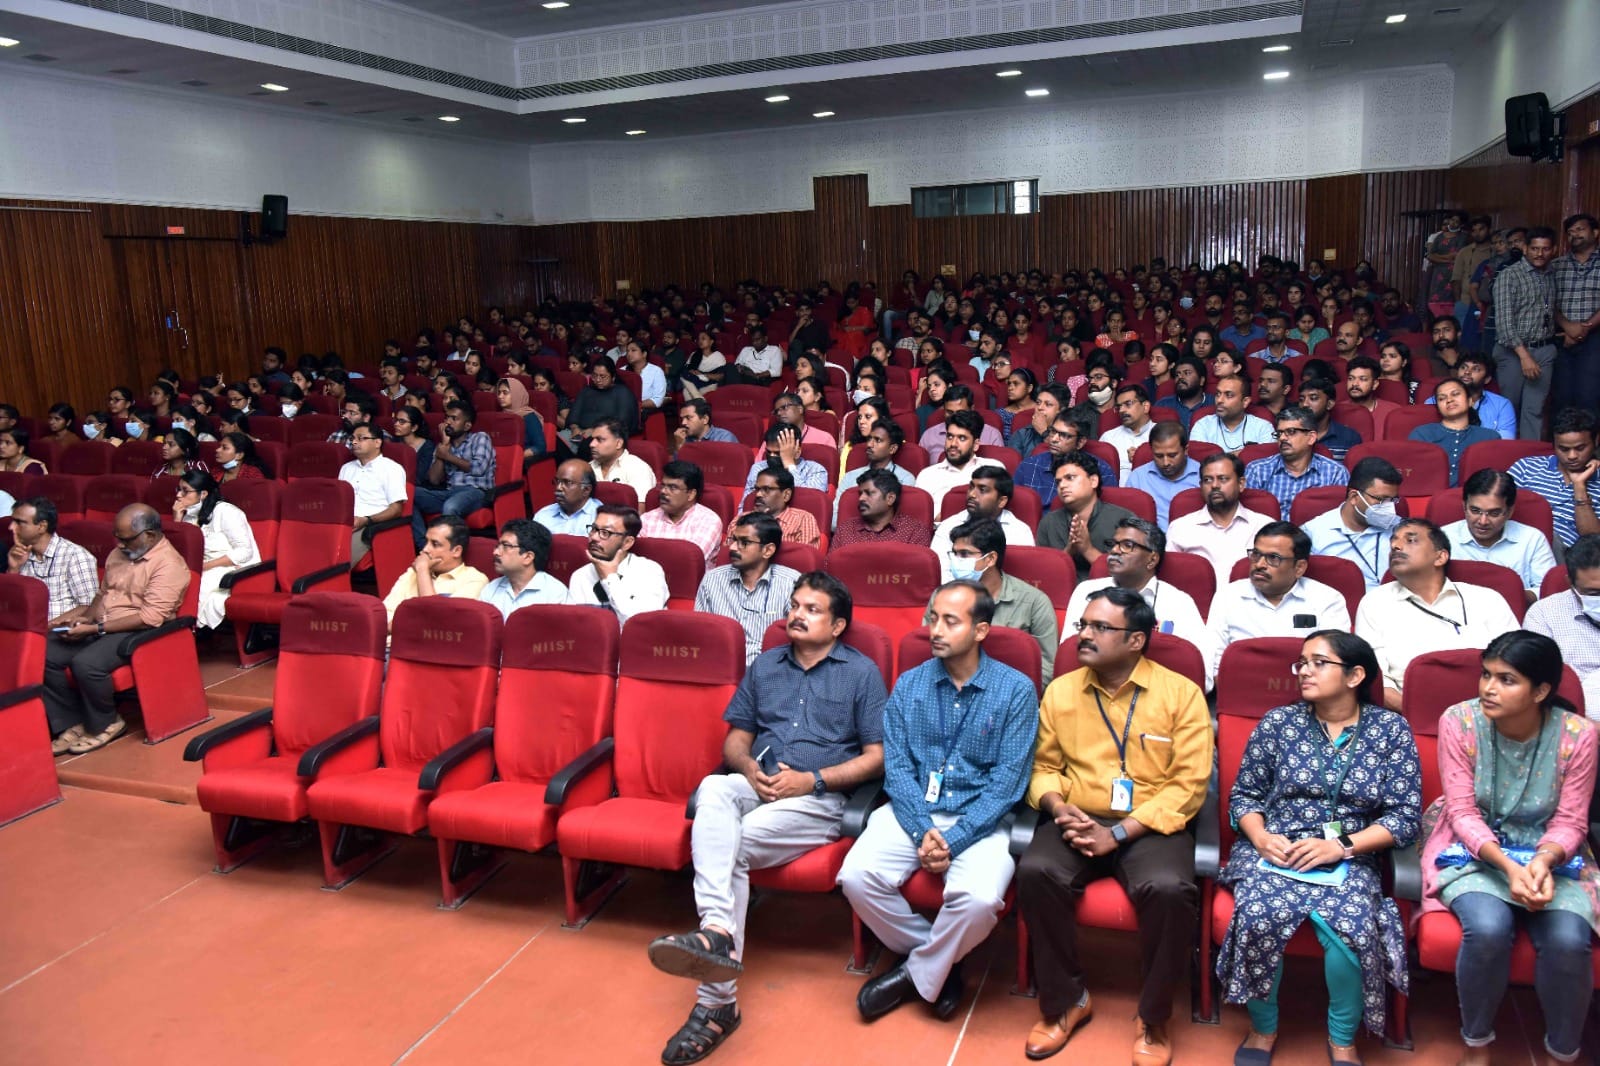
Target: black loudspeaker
(1530, 126)
(274, 217)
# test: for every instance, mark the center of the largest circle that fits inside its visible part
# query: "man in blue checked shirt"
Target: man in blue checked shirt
(958, 733)
(463, 463)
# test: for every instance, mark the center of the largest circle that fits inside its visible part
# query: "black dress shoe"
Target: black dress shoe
(950, 995)
(884, 993)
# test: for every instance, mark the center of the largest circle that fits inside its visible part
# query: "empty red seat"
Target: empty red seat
(136, 457)
(27, 769)
(63, 490)
(106, 494)
(316, 458)
(557, 688)
(684, 564)
(890, 583)
(86, 459)
(444, 658)
(261, 501)
(1424, 467)
(329, 677)
(1136, 500)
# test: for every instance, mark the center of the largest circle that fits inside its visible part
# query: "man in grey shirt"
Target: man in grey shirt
(1082, 526)
(1525, 346)
(751, 589)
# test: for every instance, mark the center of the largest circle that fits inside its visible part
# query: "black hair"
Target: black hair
(690, 474)
(1003, 483)
(971, 421)
(1169, 430)
(986, 535)
(1490, 481)
(1436, 536)
(766, 527)
(457, 527)
(1573, 420)
(1224, 457)
(201, 481)
(883, 480)
(983, 604)
(1373, 468)
(186, 443)
(1152, 532)
(839, 602)
(782, 476)
(465, 408)
(44, 512)
(1297, 536)
(1137, 390)
(1080, 459)
(1295, 413)
(530, 537)
(1140, 616)
(1534, 656)
(1352, 651)
(1583, 554)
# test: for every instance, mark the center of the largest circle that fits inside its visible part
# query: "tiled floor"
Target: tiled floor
(119, 946)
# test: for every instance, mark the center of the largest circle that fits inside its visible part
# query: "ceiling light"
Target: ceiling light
(555, 5)
(634, 133)
(1276, 48)
(1395, 20)
(274, 87)
(574, 120)
(9, 42)
(1037, 92)
(1007, 73)
(449, 118)
(1275, 75)
(776, 99)
(822, 114)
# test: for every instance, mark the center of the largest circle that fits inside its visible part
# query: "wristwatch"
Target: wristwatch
(1348, 845)
(818, 785)
(1119, 834)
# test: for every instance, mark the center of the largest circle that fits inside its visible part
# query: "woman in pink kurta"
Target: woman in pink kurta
(1517, 771)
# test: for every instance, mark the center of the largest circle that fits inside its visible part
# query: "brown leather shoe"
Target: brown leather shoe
(1152, 1046)
(1047, 1038)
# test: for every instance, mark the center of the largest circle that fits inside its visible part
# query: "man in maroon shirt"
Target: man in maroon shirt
(878, 520)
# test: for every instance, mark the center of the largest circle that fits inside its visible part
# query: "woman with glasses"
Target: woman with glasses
(1326, 785)
(229, 542)
(1505, 847)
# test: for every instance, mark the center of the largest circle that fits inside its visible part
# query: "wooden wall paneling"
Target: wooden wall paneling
(1392, 237)
(1333, 219)
(839, 206)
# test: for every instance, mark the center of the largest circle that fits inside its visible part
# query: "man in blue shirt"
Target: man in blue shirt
(1296, 466)
(1169, 471)
(1244, 331)
(1062, 439)
(463, 464)
(1359, 528)
(521, 556)
(573, 512)
(958, 735)
(805, 727)
(1189, 389)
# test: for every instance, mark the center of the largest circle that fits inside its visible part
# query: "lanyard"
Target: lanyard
(1377, 545)
(1122, 744)
(1344, 764)
(1442, 618)
(1496, 819)
(946, 738)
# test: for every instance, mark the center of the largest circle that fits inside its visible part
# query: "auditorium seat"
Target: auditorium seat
(1499, 454)
(721, 463)
(673, 686)
(682, 561)
(107, 494)
(1339, 574)
(316, 458)
(444, 659)
(329, 677)
(1424, 467)
(66, 491)
(316, 516)
(616, 494)
(261, 501)
(86, 459)
(743, 399)
(1193, 574)
(311, 426)
(136, 457)
(1136, 500)
(890, 583)
(27, 769)
(1048, 570)
(1399, 424)
(1502, 579)
(558, 671)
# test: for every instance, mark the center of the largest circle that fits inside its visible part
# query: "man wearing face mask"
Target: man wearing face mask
(977, 552)
(988, 496)
(144, 583)
(1359, 528)
(1571, 617)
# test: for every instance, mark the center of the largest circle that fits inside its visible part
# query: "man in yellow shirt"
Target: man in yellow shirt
(440, 569)
(1121, 767)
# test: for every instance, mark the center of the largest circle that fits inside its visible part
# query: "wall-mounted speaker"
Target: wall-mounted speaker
(274, 217)
(1531, 127)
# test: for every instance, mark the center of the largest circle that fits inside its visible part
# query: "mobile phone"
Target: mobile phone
(60, 629)
(768, 761)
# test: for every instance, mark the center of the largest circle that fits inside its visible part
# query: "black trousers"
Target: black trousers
(1156, 871)
(92, 704)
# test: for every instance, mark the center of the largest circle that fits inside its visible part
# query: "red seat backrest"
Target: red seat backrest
(63, 490)
(1046, 569)
(1252, 679)
(683, 562)
(136, 457)
(311, 427)
(1136, 500)
(1491, 454)
(1014, 647)
(191, 544)
(558, 681)
(444, 660)
(616, 494)
(94, 535)
(161, 493)
(1175, 653)
(1399, 424)
(721, 462)
(107, 494)
(330, 666)
(1341, 575)
(567, 553)
(87, 459)
(260, 500)
(747, 399)
(870, 640)
(1502, 579)
(674, 683)
(886, 575)
(1424, 467)
(315, 518)
(317, 458)
(24, 606)
(801, 557)
(269, 429)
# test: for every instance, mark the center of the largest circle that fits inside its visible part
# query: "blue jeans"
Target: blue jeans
(462, 501)
(1563, 973)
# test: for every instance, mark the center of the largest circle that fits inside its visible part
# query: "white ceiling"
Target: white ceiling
(1425, 37)
(527, 18)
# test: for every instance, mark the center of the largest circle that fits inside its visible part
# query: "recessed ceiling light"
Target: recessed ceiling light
(573, 121)
(822, 114)
(1037, 92)
(9, 42)
(1395, 20)
(634, 133)
(1275, 75)
(449, 118)
(555, 5)
(776, 99)
(1007, 73)
(274, 87)
(1276, 48)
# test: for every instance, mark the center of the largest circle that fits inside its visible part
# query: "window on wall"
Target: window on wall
(1019, 197)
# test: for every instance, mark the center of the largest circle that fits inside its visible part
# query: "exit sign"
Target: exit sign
(174, 231)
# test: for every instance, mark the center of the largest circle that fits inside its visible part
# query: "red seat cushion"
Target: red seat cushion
(504, 814)
(633, 832)
(267, 789)
(384, 798)
(261, 608)
(1302, 944)
(815, 871)
(1439, 939)
(122, 678)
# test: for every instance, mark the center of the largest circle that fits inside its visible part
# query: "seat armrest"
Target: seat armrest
(306, 582)
(144, 636)
(504, 489)
(555, 793)
(453, 756)
(265, 566)
(372, 529)
(318, 754)
(1208, 834)
(21, 695)
(862, 801)
(1019, 823)
(1407, 873)
(200, 745)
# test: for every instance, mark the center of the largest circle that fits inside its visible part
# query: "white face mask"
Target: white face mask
(1100, 397)
(1380, 516)
(1591, 607)
(180, 424)
(860, 395)
(133, 429)
(290, 409)
(230, 464)
(963, 570)
(1186, 302)
(90, 432)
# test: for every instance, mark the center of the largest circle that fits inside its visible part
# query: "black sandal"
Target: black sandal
(705, 955)
(697, 1039)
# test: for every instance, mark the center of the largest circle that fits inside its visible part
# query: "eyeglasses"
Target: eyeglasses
(606, 534)
(1299, 665)
(354, 440)
(958, 555)
(1129, 545)
(1285, 433)
(1493, 516)
(742, 542)
(565, 482)
(1053, 432)
(1270, 558)
(787, 406)
(1099, 629)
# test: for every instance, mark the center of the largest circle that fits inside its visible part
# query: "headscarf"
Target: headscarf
(519, 398)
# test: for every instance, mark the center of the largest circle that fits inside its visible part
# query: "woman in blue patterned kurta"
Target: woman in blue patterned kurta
(1335, 742)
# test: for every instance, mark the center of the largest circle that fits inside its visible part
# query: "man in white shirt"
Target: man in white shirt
(1421, 610)
(1231, 428)
(1169, 471)
(1277, 599)
(652, 380)
(379, 483)
(1571, 617)
(619, 352)
(1223, 530)
(988, 496)
(1133, 408)
(573, 512)
(611, 461)
(1136, 550)
(1487, 534)
(520, 557)
(1359, 528)
(962, 430)
(615, 578)
(759, 363)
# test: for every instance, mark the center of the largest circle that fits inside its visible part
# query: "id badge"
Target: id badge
(935, 785)
(1122, 795)
(1332, 830)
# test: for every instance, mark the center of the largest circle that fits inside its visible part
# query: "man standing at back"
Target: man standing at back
(1577, 281)
(1525, 326)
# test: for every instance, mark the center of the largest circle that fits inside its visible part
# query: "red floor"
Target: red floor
(119, 945)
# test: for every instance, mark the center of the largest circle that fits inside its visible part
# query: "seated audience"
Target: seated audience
(410, 428)
(788, 410)
(1084, 525)
(1100, 379)
(1273, 384)
(521, 555)
(356, 409)
(1189, 389)
(1017, 604)
(512, 397)
(1571, 617)
(1359, 528)
(180, 453)
(379, 483)
(1222, 531)
(1169, 471)
(681, 515)
(230, 544)
(1457, 426)
(878, 518)
(1049, 406)
(1422, 610)
(988, 496)
(652, 380)
(601, 398)
(694, 424)
(758, 362)
(783, 452)
(615, 578)
(574, 508)
(1230, 427)
(1327, 784)
(1489, 535)
(774, 492)
(1566, 478)
(462, 474)
(1518, 768)
(440, 568)
(1133, 411)
(1361, 386)
(38, 551)
(236, 459)
(1277, 599)
(1114, 808)
(1297, 466)
(962, 431)
(947, 795)
(782, 797)
(1475, 370)
(610, 459)
(144, 583)
(880, 445)
(751, 589)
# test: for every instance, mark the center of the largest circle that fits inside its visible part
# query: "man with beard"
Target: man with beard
(962, 430)
(615, 578)
(774, 491)
(1525, 327)
(1231, 428)
(1189, 389)
(1577, 277)
(1316, 398)
(1446, 354)
(1272, 388)
(1034, 471)
(469, 459)
(988, 496)
(1361, 385)
(1396, 317)
(1277, 348)
(751, 589)
(1223, 530)
(878, 518)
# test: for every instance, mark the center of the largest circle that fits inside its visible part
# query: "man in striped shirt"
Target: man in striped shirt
(1566, 478)
(1577, 280)
(1524, 314)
